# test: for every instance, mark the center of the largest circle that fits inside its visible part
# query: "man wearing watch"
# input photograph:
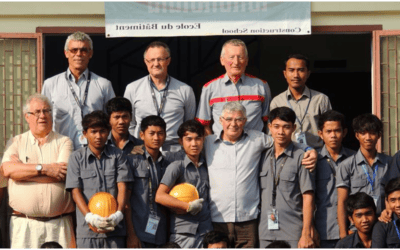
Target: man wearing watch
(36, 165)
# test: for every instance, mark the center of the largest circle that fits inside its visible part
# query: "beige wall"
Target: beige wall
(25, 17)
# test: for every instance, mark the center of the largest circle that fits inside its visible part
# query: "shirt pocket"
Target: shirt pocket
(287, 181)
(89, 179)
(110, 177)
(263, 178)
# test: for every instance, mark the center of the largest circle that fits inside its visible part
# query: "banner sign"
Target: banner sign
(159, 19)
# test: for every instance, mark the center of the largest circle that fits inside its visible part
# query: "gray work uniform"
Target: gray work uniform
(143, 201)
(185, 171)
(253, 93)
(67, 115)
(351, 175)
(129, 145)
(294, 181)
(179, 106)
(326, 193)
(93, 175)
(317, 105)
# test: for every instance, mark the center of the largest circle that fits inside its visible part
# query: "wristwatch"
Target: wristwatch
(39, 168)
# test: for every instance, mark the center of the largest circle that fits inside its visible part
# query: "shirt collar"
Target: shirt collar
(288, 150)
(111, 140)
(357, 242)
(187, 161)
(148, 156)
(167, 81)
(72, 78)
(33, 140)
(219, 137)
(227, 80)
(361, 159)
(306, 93)
(325, 154)
(106, 152)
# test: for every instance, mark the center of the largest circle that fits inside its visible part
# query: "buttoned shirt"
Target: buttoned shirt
(184, 171)
(34, 198)
(129, 144)
(351, 175)
(317, 103)
(294, 181)
(253, 93)
(350, 241)
(146, 171)
(233, 173)
(67, 116)
(384, 235)
(93, 175)
(326, 193)
(179, 106)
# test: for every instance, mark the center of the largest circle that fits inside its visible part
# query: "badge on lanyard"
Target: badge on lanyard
(152, 224)
(81, 138)
(273, 220)
(376, 198)
(301, 138)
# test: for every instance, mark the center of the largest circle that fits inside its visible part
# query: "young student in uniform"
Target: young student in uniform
(387, 235)
(332, 129)
(361, 210)
(95, 168)
(189, 221)
(366, 171)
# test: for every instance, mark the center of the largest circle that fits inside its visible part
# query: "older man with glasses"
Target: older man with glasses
(78, 91)
(160, 94)
(36, 166)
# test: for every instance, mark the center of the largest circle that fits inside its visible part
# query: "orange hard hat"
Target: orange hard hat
(184, 192)
(103, 204)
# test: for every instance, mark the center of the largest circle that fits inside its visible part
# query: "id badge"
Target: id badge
(273, 220)
(301, 138)
(375, 197)
(152, 224)
(81, 138)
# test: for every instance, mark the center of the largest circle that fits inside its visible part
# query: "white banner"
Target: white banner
(157, 19)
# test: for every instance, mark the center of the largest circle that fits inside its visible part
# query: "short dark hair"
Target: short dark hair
(392, 186)
(191, 126)
(118, 104)
(279, 244)
(367, 123)
(331, 116)
(299, 57)
(358, 201)
(283, 113)
(153, 120)
(96, 119)
(51, 244)
(170, 245)
(213, 237)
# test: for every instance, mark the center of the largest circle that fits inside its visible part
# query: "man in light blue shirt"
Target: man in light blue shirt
(77, 91)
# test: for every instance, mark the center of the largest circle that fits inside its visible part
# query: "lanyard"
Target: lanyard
(277, 177)
(304, 116)
(397, 229)
(164, 98)
(151, 199)
(81, 105)
(371, 181)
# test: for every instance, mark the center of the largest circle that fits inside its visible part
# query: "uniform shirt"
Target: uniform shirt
(33, 198)
(326, 193)
(179, 106)
(294, 181)
(351, 241)
(394, 170)
(67, 117)
(129, 145)
(253, 93)
(184, 171)
(233, 174)
(350, 174)
(384, 235)
(93, 175)
(145, 169)
(319, 104)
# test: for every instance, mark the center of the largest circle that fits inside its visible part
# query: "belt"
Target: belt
(44, 219)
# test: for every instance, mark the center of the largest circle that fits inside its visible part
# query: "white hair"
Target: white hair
(35, 96)
(78, 36)
(233, 107)
(234, 42)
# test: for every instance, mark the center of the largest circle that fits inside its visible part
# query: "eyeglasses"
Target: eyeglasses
(151, 61)
(38, 112)
(237, 120)
(83, 50)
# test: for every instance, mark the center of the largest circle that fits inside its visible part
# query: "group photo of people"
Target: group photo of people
(237, 168)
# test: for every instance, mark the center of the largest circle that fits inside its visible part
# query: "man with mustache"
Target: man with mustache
(235, 85)
(308, 104)
(78, 91)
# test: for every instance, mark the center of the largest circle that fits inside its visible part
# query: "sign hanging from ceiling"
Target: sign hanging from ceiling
(163, 19)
